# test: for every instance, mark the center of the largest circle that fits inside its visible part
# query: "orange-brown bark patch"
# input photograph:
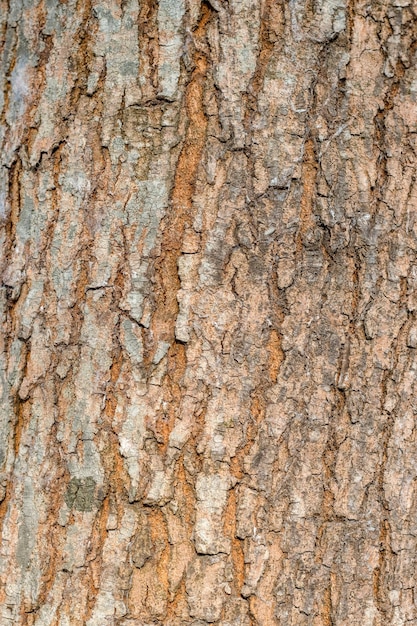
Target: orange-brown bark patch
(237, 554)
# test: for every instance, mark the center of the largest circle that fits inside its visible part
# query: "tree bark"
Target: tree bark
(208, 304)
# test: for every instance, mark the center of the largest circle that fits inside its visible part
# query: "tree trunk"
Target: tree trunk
(208, 363)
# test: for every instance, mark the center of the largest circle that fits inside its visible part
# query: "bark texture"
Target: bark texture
(208, 306)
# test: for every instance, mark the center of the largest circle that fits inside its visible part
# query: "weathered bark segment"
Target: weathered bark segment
(208, 256)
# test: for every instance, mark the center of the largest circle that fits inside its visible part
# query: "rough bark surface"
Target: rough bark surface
(208, 307)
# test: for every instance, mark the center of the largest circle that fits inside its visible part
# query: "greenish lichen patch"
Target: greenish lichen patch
(80, 494)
